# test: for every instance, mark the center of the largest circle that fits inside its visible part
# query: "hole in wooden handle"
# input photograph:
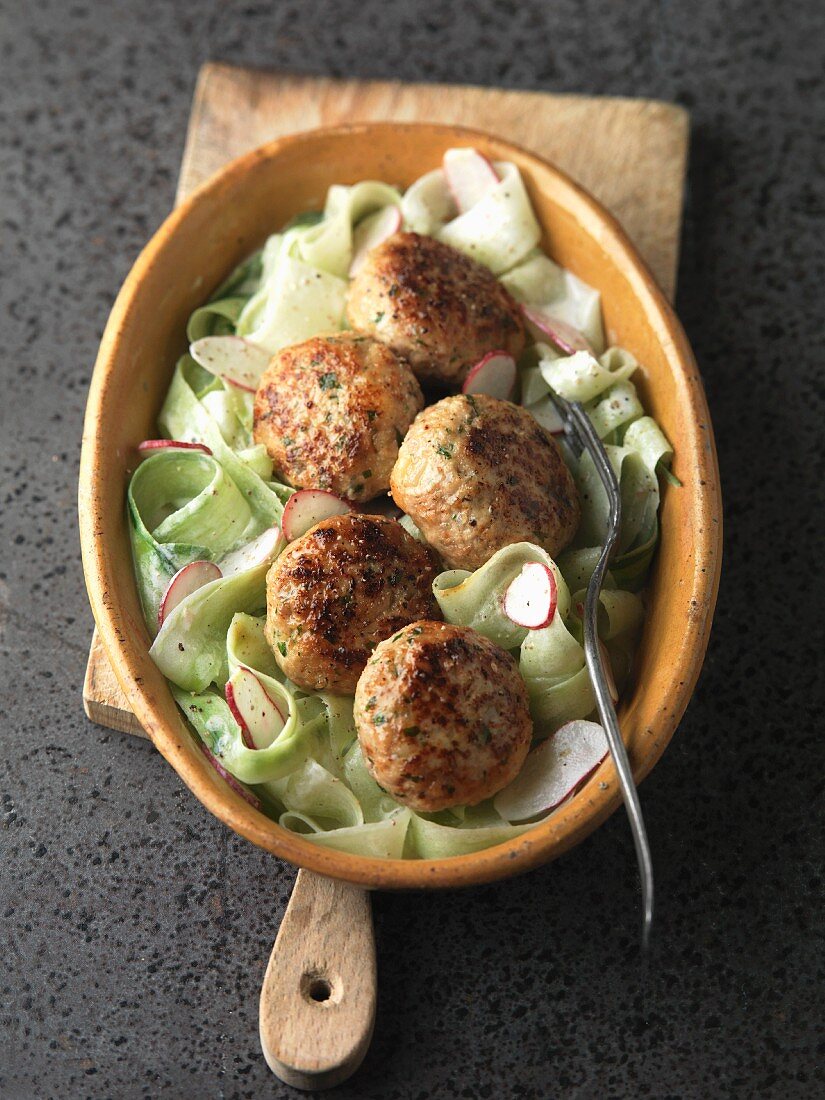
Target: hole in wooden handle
(318, 988)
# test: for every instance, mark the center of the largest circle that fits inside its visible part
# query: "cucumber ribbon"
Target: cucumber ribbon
(189, 505)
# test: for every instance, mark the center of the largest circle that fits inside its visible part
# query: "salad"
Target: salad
(361, 540)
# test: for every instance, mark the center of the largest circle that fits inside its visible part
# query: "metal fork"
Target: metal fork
(582, 436)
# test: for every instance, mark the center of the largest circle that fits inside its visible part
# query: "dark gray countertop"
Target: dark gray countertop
(136, 928)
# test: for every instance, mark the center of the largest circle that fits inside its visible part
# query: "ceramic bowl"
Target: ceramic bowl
(194, 249)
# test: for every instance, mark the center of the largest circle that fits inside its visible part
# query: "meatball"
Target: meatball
(442, 716)
(337, 591)
(435, 306)
(331, 412)
(476, 474)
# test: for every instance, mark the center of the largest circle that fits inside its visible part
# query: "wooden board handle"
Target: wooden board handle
(317, 1007)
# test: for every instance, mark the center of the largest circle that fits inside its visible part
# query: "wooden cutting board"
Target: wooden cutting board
(631, 154)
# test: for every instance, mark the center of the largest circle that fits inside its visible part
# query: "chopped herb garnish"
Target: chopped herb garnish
(412, 731)
(371, 414)
(379, 719)
(370, 703)
(446, 451)
(329, 381)
(282, 648)
(378, 317)
(366, 474)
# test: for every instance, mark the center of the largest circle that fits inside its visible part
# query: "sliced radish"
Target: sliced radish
(186, 581)
(494, 375)
(544, 325)
(371, 232)
(607, 665)
(237, 361)
(258, 715)
(470, 175)
(234, 783)
(531, 599)
(553, 770)
(149, 446)
(261, 550)
(309, 506)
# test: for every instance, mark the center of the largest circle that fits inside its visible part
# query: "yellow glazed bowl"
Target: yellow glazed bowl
(195, 248)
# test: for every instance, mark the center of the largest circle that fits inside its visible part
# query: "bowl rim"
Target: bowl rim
(600, 796)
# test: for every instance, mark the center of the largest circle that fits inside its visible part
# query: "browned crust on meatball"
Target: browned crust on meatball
(435, 306)
(337, 591)
(442, 716)
(476, 474)
(331, 411)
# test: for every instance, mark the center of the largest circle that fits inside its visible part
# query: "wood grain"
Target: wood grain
(317, 1007)
(630, 154)
(103, 698)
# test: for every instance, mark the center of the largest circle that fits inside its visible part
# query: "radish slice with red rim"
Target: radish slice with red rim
(553, 770)
(543, 325)
(494, 375)
(186, 581)
(371, 232)
(532, 597)
(152, 446)
(262, 549)
(470, 176)
(307, 507)
(237, 361)
(230, 779)
(255, 711)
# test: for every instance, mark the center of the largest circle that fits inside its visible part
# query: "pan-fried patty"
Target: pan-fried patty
(331, 412)
(442, 716)
(439, 309)
(476, 474)
(337, 591)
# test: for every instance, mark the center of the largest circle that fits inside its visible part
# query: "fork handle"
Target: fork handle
(317, 1007)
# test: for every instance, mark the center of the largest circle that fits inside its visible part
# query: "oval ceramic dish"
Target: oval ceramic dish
(191, 253)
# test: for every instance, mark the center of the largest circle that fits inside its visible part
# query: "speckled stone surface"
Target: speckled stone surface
(135, 928)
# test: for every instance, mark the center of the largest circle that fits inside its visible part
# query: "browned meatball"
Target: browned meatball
(442, 716)
(330, 412)
(337, 591)
(476, 474)
(435, 306)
